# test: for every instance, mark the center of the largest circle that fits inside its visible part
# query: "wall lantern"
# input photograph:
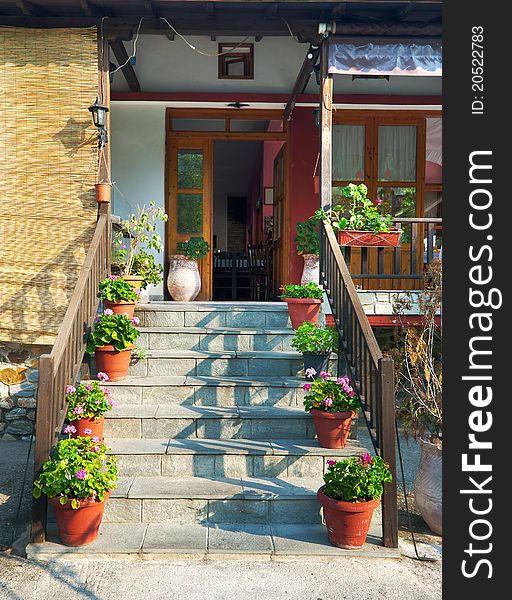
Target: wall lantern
(99, 118)
(316, 116)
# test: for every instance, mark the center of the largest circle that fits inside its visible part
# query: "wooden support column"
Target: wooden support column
(104, 167)
(326, 95)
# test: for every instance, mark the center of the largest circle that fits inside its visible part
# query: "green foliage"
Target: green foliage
(313, 339)
(88, 401)
(144, 266)
(356, 479)
(78, 468)
(329, 395)
(363, 214)
(308, 237)
(310, 290)
(195, 247)
(140, 228)
(111, 329)
(116, 289)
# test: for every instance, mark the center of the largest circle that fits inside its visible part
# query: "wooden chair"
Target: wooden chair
(260, 268)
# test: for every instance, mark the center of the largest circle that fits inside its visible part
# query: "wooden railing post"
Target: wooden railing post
(44, 440)
(388, 451)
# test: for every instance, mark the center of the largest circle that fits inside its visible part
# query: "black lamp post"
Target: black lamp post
(99, 118)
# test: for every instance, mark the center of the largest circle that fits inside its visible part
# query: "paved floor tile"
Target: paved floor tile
(239, 538)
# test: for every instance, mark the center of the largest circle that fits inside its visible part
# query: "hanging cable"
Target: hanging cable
(134, 51)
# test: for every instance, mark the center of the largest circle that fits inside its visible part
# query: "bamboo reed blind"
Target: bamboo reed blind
(48, 165)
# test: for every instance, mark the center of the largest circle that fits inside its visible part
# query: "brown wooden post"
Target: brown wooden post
(388, 451)
(43, 441)
(104, 170)
(326, 85)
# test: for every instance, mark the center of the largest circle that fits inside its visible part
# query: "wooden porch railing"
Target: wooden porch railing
(372, 374)
(401, 267)
(62, 365)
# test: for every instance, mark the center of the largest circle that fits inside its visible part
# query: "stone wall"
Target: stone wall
(18, 388)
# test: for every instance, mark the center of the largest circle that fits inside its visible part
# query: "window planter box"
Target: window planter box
(351, 237)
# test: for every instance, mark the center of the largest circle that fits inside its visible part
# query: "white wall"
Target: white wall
(137, 137)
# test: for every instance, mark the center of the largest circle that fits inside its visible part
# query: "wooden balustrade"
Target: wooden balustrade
(62, 365)
(360, 357)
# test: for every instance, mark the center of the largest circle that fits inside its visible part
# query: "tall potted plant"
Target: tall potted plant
(418, 358)
(307, 243)
(118, 295)
(352, 490)
(333, 404)
(304, 302)
(316, 344)
(112, 341)
(362, 224)
(87, 403)
(184, 280)
(140, 230)
(144, 266)
(77, 479)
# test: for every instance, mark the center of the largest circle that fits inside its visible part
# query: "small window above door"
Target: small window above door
(236, 61)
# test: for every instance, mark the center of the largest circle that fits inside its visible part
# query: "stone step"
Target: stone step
(158, 421)
(226, 363)
(209, 391)
(214, 338)
(223, 458)
(206, 500)
(213, 541)
(255, 315)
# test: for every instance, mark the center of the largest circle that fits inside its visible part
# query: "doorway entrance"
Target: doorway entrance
(226, 182)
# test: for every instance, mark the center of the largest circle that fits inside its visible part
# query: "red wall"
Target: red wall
(304, 145)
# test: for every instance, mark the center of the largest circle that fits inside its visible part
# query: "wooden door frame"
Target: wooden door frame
(211, 136)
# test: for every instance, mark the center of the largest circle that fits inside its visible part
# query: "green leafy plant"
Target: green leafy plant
(78, 468)
(313, 339)
(195, 248)
(144, 266)
(329, 395)
(89, 400)
(140, 229)
(116, 289)
(308, 237)
(112, 329)
(363, 214)
(309, 290)
(356, 479)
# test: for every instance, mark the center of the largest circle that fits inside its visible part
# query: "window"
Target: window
(236, 61)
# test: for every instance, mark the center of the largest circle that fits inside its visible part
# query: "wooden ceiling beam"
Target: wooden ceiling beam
(338, 11)
(29, 9)
(122, 57)
(302, 80)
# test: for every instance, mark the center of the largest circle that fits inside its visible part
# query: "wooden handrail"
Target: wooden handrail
(360, 357)
(62, 365)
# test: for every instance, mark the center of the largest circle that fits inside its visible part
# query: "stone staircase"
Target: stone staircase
(216, 453)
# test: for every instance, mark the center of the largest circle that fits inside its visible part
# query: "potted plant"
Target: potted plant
(362, 224)
(316, 344)
(118, 295)
(87, 404)
(417, 354)
(352, 490)
(184, 280)
(333, 404)
(140, 229)
(303, 302)
(112, 341)
(308, 245)
(77, 479)
(144, 266)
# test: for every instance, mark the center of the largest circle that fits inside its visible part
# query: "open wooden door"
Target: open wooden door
(189, 200)
(280, 232)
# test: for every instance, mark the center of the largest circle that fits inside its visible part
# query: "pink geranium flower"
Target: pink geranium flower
(88, 387)
(135, 320)
(70, 429)
(306, 386)
(87, 431)
(328, 402)
(70, 389)
(96, 439)
(310, 372)
(113, 403)
(324, 375)
(95, 449)
(103, 376)
(108, 312)
(81, 474)
(78, 410)
(331, 462)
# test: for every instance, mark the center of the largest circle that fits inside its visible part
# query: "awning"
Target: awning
(386, 57)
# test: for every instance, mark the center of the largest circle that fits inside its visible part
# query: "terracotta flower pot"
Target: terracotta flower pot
(347, 522)
(184, 280)
(303, 309)
(78, 527)
(112, 362)
(428, 485)
(332, 428)
(95, 425)
(120, 308)
(134, 280)
(311, 270)
(103, 191)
